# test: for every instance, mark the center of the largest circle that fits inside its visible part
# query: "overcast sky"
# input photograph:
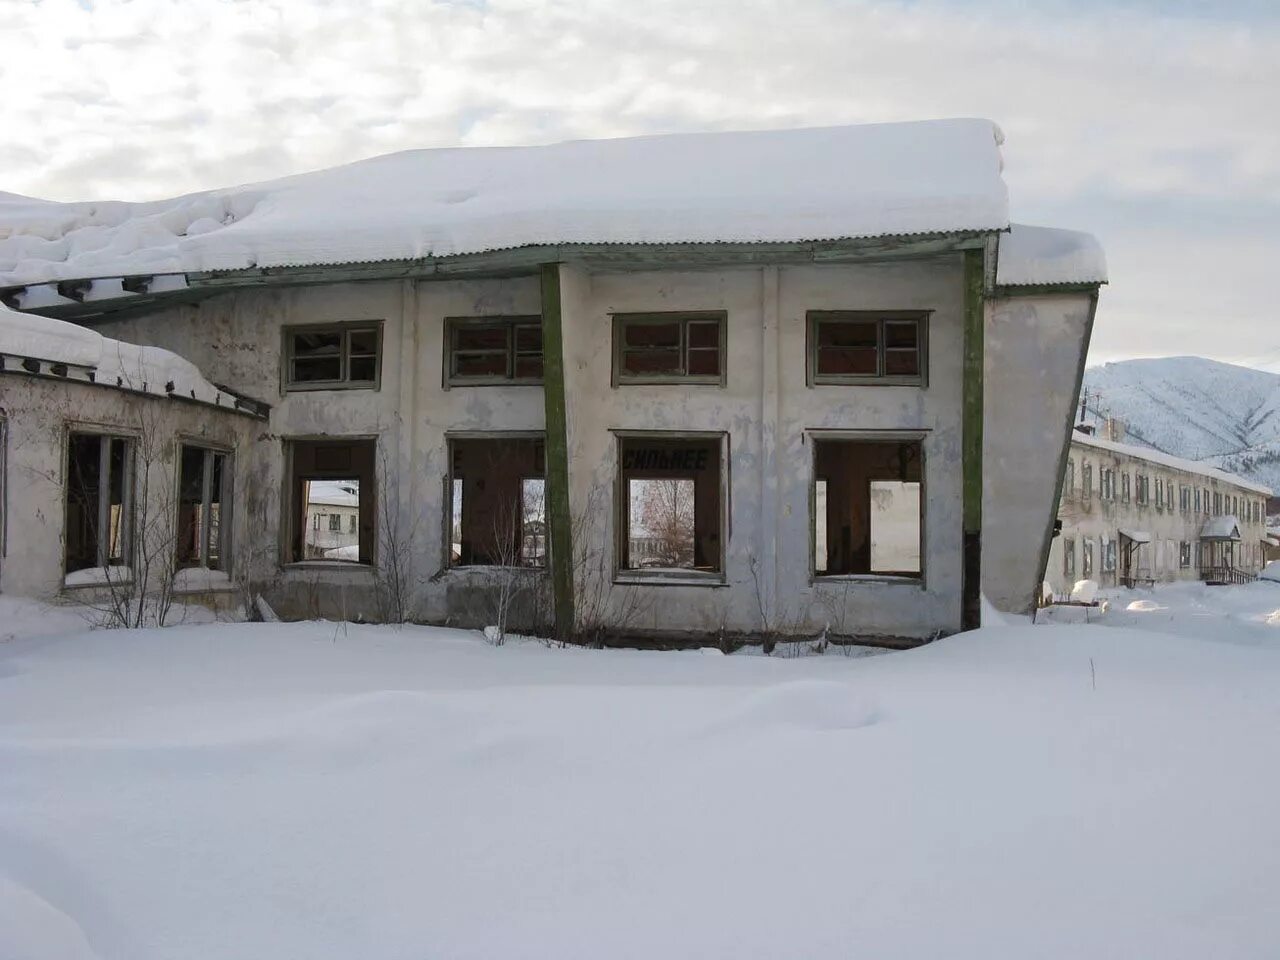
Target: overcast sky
(1155, 125)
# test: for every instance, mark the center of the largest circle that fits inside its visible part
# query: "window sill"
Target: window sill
(868, 382)
(495, 567)
(327, 385)
(885, 578)
(492, 382)
(672, 578)
(669, 382)
(339, 566)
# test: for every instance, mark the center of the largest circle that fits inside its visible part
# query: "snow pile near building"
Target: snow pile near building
(764, 186)
(116, 363)
(320, 790)
(1047, 256)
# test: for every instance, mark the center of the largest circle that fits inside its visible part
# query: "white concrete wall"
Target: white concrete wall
(766, 408)
(1034, 350)
(39, 413)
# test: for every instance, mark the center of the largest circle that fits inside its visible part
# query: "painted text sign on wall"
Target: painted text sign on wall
(657, 458)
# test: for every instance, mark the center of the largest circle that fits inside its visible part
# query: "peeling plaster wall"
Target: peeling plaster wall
(40, 413)
(766, 408)
(1035, 348)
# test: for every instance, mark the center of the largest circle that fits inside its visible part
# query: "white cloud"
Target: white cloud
(157, 97)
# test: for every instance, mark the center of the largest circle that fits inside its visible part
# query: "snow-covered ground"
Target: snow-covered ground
(317, 790)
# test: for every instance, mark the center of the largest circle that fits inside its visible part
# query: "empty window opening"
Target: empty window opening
(671, 514)
(338, 355)
(868, 511)
(498, 514)
(662, 347)
(99, 506)
(494, 350)
(332, 492)
(203, 487)
(858, 347)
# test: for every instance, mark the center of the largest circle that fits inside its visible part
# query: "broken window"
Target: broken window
(660, 347)
(493, 350)
(99, 501)
(862, 347)
(670, 517)
(332, 479)
(203, 487)
(868, 510)
(333, 356)
(498, 514)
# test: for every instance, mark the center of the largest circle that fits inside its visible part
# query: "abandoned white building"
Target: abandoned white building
(1132, 516)
(679, 386)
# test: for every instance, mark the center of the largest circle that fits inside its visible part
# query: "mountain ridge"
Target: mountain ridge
(1224, 415)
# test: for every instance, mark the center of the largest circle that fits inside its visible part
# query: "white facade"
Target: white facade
(1131, 515)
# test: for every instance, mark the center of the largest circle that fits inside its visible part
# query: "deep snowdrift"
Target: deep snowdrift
(314, 790)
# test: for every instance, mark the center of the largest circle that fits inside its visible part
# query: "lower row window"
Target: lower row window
(332, 492)
(497, 501)
(671, 509)
(99, 501)
(867, 507)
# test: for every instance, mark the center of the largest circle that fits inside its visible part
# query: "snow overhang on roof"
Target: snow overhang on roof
(1137, 536)
(1164, 459)
(1046, 256)
(834, 183)
(46, 347)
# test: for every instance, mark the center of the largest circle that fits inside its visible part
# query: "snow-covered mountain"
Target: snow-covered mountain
(1190, 407)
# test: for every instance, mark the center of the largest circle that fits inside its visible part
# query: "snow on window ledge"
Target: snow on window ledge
(300, 567)
(99, 576)
(902, 579)
(201, 580)
(669, 577)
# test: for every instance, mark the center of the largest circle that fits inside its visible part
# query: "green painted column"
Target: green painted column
(971, 440)
(559, 517)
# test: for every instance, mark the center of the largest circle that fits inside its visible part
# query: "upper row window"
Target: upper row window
(861, 347)
(334, 356)
(662, 347)
(844, 347)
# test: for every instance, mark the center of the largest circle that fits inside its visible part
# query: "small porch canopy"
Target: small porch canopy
(1137, 536)
(1221, 528)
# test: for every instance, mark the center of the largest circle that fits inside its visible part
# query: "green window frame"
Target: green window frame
(878, 347)
(493, 351)
(674, 347)
(336, 356)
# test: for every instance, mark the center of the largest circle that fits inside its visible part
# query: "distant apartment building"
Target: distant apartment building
(1132, 516)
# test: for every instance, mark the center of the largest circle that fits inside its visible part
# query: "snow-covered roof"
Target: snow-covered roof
(890, 179)
(1164, 459)
(114, 362)
(1035, 256)
(333, 493)
(1224, 527)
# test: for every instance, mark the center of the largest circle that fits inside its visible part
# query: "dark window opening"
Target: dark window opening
(657, 348)
(333, 479)
(99, 506)
(494, 350)
(868, 509)
(497, 494)
(339, 355)
(672, 503)
(859, 347)
(203, 487)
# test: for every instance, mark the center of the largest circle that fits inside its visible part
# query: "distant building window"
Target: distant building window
(1107, 480)
(493, 350)
(1069, 481)
(1069, 558)
(1184, 554)
(1124, 487)
(1217, 503)
(1108, 555)
(1086, 558)
(665, 347)
(204, 487)
(855, 347)
(1159, 493)
(1086, 481)
(333, 356)
(335, 523)
(99, 501)
(1168, 495)
(1197, 501)
(352, 525)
